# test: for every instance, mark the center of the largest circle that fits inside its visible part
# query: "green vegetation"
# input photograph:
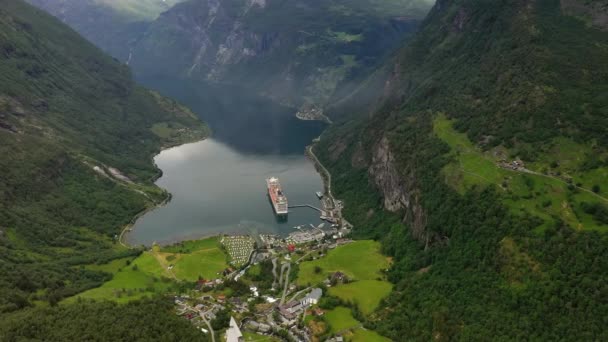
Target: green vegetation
(127, 284)
(68, 113)
(362, 263)
(544, 195)
(206, 263)
(253, 337)
(365, 335)
(340, 319)
(366, 294)
(190, 246)
(480, 252)
(148, 320)
(360, 260)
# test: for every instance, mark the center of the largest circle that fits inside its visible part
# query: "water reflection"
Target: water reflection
(218, 185)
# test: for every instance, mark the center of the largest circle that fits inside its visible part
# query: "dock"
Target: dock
(305, 206)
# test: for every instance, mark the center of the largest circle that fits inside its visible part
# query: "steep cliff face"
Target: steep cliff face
(302, 53)
(297, 52)
(199, 39)
(399, 189)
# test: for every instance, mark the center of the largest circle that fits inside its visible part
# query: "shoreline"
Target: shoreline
(129, 226)
(309, 153)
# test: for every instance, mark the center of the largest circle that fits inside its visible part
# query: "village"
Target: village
(299, 287)
(264, 303)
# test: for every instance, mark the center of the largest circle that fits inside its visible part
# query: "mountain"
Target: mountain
(110, 24)
(482, 169)
(299, 53)
(78, 136)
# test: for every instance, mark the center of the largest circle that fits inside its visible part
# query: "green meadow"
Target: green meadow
(150, 273)
(143, 277)
(253, 337)
(340, 319)
(367, 294)
(554, 195)
(360, 260)
(363, 263)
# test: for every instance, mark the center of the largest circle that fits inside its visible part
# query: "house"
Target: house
(289, 312)
(312, 298)
(318, 312)
(292, 307)
(338, 277)
(233, 334)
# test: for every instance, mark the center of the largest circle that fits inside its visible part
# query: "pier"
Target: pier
(305, 206)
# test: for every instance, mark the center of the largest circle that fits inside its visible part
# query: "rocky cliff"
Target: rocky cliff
(302, 53)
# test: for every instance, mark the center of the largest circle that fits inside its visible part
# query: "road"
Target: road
(327, 180)
(202, 314)
(274, 273)
(286, 281)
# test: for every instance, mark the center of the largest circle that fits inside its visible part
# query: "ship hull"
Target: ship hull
(277, 198)
(281, 217)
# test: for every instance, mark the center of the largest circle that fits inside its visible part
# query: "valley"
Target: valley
(443, 170)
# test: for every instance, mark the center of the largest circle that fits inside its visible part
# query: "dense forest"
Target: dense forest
(475, 260)
(71, 120)
(148, 320)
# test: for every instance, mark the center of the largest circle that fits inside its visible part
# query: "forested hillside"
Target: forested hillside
(78, 138)
(484, 172)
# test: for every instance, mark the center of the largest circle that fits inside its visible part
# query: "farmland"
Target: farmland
(367, 294)
(360, 260)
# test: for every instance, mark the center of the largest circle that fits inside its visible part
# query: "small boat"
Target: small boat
(319, 194)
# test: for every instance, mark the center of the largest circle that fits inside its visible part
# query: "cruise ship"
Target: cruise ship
(278, 199)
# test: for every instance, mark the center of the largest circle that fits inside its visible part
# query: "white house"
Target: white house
(312, 298)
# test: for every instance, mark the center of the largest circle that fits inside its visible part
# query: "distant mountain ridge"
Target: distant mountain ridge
(300, 53)
(110, 24)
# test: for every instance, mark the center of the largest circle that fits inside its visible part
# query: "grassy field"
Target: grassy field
(340, 319)
(192, 245)
(253, 337)
(191, 259)
(360, 260)
(546, 196)
(205, 263)
(366, 293)
(139, 279)
(149, 273)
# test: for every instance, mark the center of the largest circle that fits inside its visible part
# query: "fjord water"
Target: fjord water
(218, 185)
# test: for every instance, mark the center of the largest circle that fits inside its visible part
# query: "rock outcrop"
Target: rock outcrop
(399, 190)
